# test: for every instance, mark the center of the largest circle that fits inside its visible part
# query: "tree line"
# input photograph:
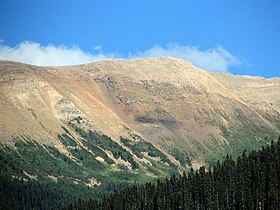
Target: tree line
(250, 182)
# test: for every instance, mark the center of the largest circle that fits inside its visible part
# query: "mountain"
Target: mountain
(128, 120)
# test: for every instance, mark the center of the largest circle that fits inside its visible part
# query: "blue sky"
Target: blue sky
(241, 37)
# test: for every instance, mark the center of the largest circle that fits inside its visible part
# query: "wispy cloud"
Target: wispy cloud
(214, 59)
(50, 55)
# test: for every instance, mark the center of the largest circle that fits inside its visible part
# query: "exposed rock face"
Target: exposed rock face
(167, 101)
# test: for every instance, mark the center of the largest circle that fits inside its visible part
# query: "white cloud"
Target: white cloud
(50, 55)
(215, 59)
(98, 48)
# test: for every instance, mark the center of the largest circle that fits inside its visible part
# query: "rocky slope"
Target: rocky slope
(157, 111)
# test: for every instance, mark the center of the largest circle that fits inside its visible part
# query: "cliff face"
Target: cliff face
(165, 101)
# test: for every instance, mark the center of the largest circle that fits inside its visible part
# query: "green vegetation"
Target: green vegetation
(19, 194)
(140, 146)
(249, 136)
(30, 165)
(67, 131)
(42, 162)
(80, 161)
(36, 159)
(181, 156)
(73, 169)
(67, 140)
(240, 134)
(98, 151)
(87, 159)
(106, 143)
(134, 148)
(251, 182)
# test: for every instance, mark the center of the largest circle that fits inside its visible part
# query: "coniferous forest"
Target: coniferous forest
(250, 182)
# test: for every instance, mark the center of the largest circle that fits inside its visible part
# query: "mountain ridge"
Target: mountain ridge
(166, 101)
